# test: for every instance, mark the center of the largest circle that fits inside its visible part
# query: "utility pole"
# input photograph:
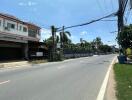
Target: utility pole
(130, 4)
(53, 30)
(120, 16)
(62, 37)
(63, 29)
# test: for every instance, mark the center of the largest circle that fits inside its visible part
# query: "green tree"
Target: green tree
(105, 48)
(49, 41)
(125, 37)
(97, 42)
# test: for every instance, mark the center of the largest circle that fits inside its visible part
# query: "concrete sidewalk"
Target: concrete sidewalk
(14, 64)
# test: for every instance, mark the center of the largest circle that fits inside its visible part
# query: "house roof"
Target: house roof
(9, 16)
(17, 19)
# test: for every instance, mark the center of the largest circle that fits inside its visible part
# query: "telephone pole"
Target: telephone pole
(53, 31)
(62, 41)
(120, 15)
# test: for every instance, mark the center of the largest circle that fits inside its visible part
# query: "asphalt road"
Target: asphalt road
(78, 79)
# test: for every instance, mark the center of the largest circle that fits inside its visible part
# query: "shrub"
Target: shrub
(129, 53)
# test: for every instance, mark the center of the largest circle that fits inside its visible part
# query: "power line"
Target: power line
(90, 22)
(127, 14)
(125, 5)
(108, 20)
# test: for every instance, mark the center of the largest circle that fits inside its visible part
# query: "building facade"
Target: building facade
(18, 39)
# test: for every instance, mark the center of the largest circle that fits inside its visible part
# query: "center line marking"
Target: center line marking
(4, 82)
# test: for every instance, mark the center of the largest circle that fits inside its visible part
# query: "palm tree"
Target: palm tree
(64, 37)
(97, 42)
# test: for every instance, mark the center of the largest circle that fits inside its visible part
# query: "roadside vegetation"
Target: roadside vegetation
(123, 77)
(123, 71)
(68, 47)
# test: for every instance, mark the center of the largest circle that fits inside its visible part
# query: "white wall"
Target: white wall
(21, 32)
(13, 31)
(1, 27)
(16, 30)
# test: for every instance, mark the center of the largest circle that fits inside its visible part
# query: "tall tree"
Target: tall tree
(125, 37)
(49, 41)
(64, 37)
(97, 42)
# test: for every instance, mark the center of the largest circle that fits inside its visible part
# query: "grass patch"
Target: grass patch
(123, 77)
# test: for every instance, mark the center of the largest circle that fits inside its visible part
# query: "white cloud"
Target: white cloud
(21, 4)
(83, 33)
(28, 3)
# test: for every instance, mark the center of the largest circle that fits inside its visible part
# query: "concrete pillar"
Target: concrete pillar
(25, 51)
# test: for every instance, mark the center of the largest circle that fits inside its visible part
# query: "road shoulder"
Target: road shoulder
(110, 90)
(102, 93)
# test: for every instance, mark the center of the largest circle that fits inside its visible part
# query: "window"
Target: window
(12, 26)
(0, 22)
(24, 29)
(32, 33)
(20, 28)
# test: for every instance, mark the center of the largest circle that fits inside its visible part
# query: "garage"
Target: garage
(10, 51)
(7, 53)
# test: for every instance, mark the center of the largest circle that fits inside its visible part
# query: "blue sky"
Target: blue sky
(67, 12)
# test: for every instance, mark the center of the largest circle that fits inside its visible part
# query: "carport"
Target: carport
(10, 50)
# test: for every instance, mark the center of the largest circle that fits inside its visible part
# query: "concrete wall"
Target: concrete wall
(1, 26)
(16, 30)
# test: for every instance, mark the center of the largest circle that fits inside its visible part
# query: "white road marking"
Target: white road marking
(76, 59)
(95, 55)
(104, 85)
(61, 67)
(4, 82)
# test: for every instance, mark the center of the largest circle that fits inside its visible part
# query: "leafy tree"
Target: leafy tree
(49, 41)
(97, 42)
(105, 48)
(125, 37)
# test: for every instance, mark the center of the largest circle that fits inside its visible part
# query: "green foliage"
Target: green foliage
(125, 37)
(105, 48)
(49, 41)
(97, 42)
(64, 37)
(123, 77)
(129, 53)
(84, 47)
